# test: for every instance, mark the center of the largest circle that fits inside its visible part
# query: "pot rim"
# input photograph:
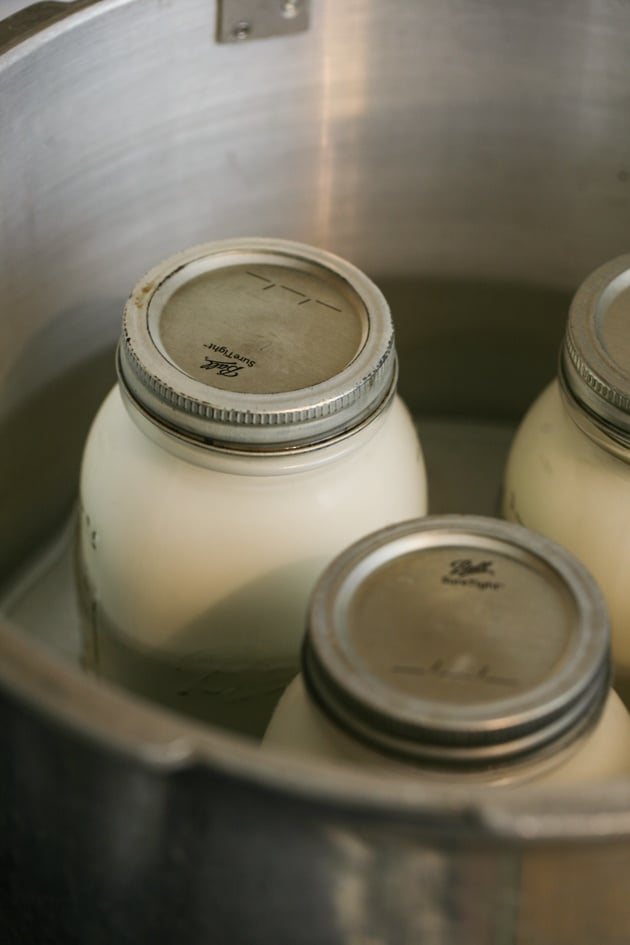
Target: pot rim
(124, 724)
(37, 23)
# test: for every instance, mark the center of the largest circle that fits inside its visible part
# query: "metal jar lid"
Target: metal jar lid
(595, 362)
(257, 344)
(458, 640)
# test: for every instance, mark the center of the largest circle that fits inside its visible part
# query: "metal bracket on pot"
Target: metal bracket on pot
(243, 20)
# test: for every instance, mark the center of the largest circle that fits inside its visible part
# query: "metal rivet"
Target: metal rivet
(242, 30)
(291, 8)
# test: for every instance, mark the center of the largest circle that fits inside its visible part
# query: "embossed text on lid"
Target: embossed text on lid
(258, 343)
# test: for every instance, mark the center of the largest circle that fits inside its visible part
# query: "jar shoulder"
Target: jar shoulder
(297, 726)
(547, 424)
(300, 727)
(603, 753)
(548, 428)
(553, 466)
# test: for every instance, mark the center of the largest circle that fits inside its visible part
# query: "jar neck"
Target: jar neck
(600, 431)
(255, 462)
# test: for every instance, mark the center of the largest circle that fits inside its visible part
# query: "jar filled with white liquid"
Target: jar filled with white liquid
(568, 471)
(254, 432)
(457, 647)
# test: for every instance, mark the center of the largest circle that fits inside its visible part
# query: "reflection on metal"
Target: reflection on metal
(241, 20)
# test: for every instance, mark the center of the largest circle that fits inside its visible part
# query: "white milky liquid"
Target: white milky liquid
(195, 567)
(560, 483)
(299, 726)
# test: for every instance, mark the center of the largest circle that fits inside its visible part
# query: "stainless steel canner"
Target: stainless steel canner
(473, 158)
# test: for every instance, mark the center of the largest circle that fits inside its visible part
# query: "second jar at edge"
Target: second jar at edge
(568, 470)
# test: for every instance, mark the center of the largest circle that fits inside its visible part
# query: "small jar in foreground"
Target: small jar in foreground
(568, 471)
(255, 431)
(458, 648)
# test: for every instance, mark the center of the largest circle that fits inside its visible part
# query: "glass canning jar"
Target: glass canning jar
(457, 649)
(568, 470)
(254, 432)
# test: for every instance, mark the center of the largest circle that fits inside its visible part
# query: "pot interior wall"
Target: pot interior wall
(472, 157)
(444, 150)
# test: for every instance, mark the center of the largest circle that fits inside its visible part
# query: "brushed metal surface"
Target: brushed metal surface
(473, 158)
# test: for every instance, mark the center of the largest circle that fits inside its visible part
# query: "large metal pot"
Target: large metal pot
(473, 158)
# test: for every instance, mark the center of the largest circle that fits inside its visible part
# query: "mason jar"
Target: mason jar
(254, 432)
(457, 648)
(568, 470)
